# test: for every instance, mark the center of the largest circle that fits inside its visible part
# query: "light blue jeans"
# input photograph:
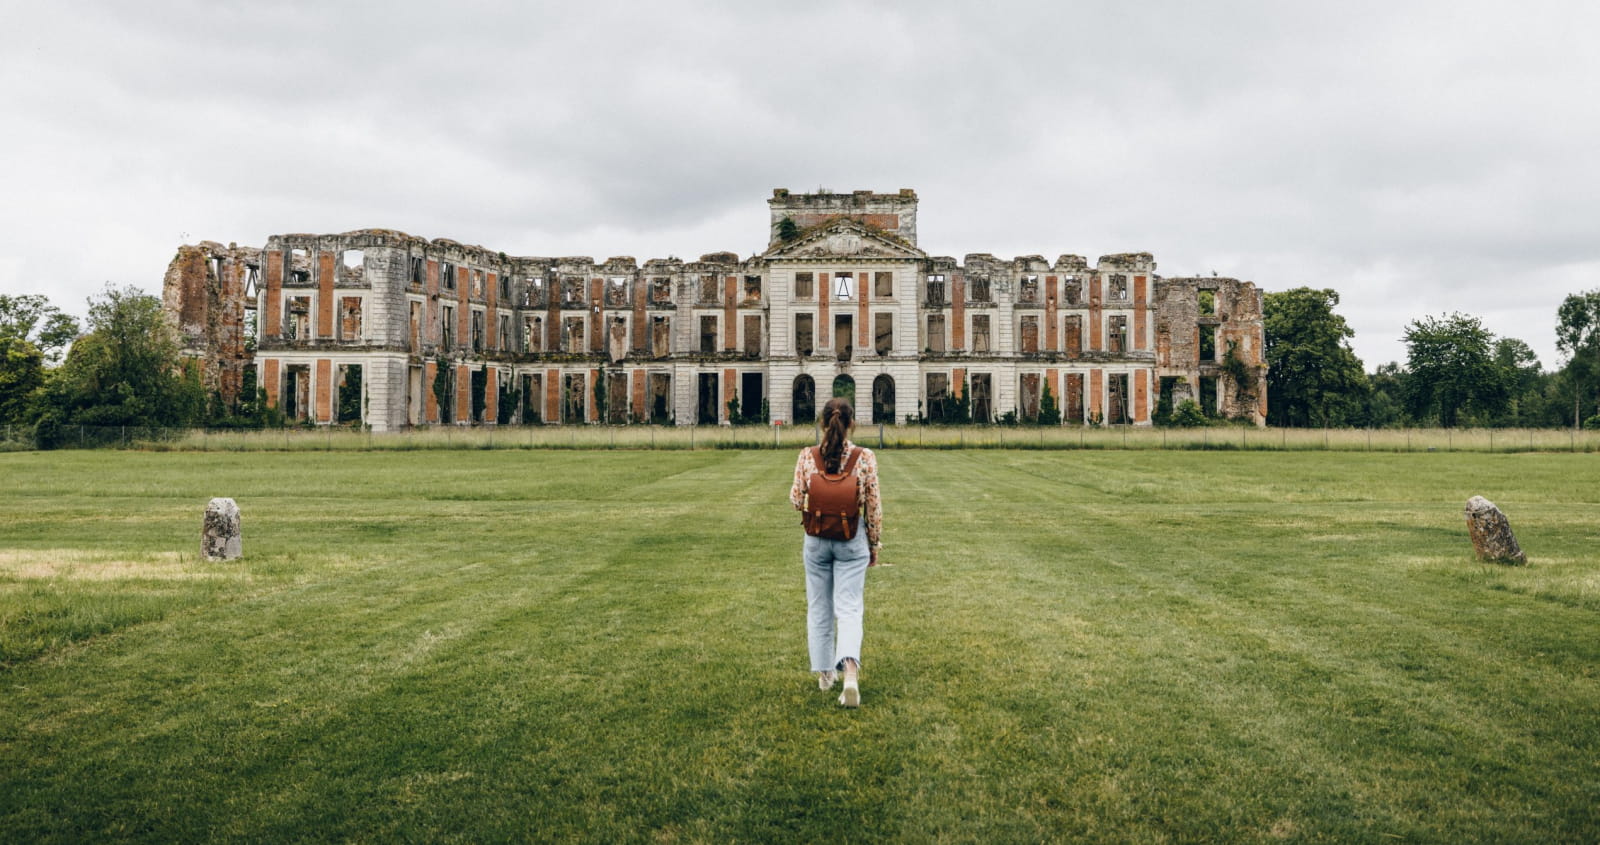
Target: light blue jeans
(836, 577)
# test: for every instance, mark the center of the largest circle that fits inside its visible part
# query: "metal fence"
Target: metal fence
(1228, 438)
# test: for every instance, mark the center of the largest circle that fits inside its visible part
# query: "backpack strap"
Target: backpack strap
(822, 466)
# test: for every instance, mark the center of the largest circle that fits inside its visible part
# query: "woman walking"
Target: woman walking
(841, 542)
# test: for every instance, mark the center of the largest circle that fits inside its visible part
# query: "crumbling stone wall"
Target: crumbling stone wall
(425, 328)
(206, 293)
(1236, 333)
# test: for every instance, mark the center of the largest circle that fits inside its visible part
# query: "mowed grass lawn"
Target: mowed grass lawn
(607, 646)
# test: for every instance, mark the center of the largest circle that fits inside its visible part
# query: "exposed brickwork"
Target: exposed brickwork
(375, 298)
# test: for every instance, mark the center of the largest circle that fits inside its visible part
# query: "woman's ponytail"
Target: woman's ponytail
(837, 418)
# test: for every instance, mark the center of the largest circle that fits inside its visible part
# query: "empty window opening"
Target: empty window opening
(617, 339)
(883, 285)
(252, 280)
(1208, 343)
(574, 398)
(503, 335)
(935, 292)
(844, 387)
(478, 384)
(1072, 290)
(1030, 333)
(708, 334)
(532, 398)
(706, 404)
(1072, 337)
(572, 334)
(804, 334)
(843, 336)
(883, 399)
(447, 276)
(937, 403)
(1117, 399)
(352, 266)
(661, 336)
(844, 285)
(1118, 286)
(616, 292)
(1174, 390)
(297, 266)
(1208, 396)
(447, 326)
(505, 288)
(532, 334)
(936, 333)
(617, 398)
(297, 318)
(533, 294)
(1072, 402)
(1117, 334)
(804, 399)
(660, 398)
(296, 398)
(980, 333)
(752, 335)
(572, 291)
(752, 398)
(804, 286)
(660, 291)
(1029, 290)
(883, 333)
(350, 318)
(752, 290)
(418, 270)
(1028, 397)
(980, 289)
(982, 398)
(1208, 303)
(708, 291)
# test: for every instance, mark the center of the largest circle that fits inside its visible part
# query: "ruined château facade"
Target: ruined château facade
(392, 330)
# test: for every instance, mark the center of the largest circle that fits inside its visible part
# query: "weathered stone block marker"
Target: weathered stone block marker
(219, 536)
(1491, 533)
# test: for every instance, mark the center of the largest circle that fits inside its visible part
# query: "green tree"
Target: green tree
(1049, 411)
(1524, 381)
(1385, 400)
(32, 318)
(1453, 374)
(1313, 377)
(1578, 338)
(126, 370)
(21, 375)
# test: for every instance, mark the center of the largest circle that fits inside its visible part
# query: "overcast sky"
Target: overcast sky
(1419, 158)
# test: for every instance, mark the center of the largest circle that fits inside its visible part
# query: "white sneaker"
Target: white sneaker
(825, 680)
(851, 697)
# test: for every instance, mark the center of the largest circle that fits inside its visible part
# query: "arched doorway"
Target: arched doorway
(883, 399)
(804, 400)
(845, 387)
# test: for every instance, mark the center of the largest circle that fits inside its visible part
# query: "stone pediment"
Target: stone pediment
(843, 239)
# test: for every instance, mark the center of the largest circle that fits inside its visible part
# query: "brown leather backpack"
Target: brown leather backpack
(832, 504)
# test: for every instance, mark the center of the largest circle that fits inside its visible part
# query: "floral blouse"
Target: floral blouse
(866, 470)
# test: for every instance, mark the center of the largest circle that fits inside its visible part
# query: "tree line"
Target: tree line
(125, 368)
(1456, 372)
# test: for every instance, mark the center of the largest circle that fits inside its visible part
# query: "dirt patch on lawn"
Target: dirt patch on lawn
(83, 565)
